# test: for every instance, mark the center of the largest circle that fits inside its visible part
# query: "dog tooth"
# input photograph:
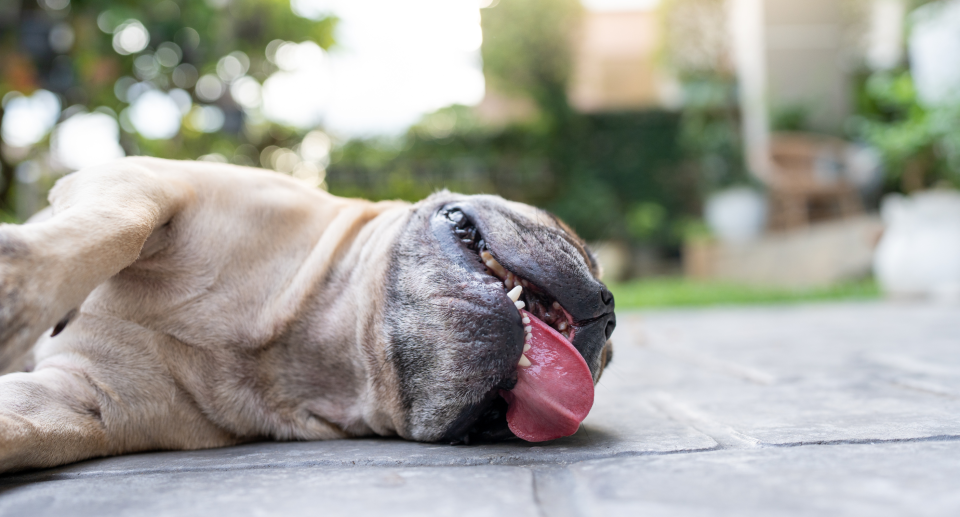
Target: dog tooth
(520, 305)
(556, 305)
(527, 347)
(493, 264)
(524, 361)
(514, 293)
(562, 326)
(528, 329)
(524, 282)
(526, 320)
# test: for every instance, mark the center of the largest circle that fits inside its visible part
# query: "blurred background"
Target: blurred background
(714, 151)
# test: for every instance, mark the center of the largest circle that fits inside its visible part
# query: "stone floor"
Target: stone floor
(847, 409)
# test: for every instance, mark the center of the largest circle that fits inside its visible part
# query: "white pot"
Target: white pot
(919, 254)
(736, 214)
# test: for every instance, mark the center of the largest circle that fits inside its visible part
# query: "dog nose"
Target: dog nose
(606, 298)
(611, 324)
(607, 303)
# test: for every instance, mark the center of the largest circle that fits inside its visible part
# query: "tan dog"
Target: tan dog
(197, 305)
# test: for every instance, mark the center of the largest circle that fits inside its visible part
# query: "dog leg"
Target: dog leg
(48, 418)
(101, 388)
(101, 218)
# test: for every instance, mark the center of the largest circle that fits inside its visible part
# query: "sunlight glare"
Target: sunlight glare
(388, 70)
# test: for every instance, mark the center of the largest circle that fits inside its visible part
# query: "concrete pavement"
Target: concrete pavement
(848, 409)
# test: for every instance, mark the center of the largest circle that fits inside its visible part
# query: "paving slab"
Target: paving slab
(795, 375)
(843, 409)
(886, 479)
(290, 491)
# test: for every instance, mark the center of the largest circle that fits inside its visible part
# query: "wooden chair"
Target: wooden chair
(807, 180)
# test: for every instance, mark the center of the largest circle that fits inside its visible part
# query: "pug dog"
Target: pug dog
(166, 305)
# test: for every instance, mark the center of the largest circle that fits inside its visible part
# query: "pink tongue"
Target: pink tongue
(555, 393)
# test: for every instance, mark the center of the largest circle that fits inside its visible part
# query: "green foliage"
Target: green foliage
(526, 48)
(681, 292)
(696, 48)
(617, 163)
(645, 219)
(920, 146)
(203, 31)
(710, 132)
(790, 118)
(7, 217)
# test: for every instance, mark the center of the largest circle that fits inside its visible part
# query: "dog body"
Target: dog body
(198, 305)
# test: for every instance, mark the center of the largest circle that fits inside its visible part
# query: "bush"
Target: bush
(601, 173)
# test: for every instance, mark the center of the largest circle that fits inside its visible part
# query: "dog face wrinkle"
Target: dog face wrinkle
(454, 338)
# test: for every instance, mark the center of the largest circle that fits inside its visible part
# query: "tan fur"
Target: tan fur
(178, 343)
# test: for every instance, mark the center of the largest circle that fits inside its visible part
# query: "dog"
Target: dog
(168, 305)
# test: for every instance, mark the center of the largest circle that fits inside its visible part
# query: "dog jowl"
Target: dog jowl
(497, 322)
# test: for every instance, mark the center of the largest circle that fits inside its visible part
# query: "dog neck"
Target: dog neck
(326, 328)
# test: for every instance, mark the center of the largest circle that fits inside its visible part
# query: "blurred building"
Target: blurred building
(809, 63)
(798, 60)
(615, 65)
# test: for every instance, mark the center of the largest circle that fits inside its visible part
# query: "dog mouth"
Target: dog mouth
(554, 386)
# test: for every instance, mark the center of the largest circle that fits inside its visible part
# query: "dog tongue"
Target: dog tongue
(555, 393)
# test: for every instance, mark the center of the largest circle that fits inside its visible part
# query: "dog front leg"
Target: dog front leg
(48, 418)
(101, 219)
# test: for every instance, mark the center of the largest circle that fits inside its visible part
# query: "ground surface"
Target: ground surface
(849, 409)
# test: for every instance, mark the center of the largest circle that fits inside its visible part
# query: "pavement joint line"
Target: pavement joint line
(534, 490)
(867, 441)
(557, 493)
(726, 436)
(927, 387)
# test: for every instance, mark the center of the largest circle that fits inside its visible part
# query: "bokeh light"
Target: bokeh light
(28, 119)
(130, 37)
(155, 115)
(206, 119)
(209, 88)
(86, 139)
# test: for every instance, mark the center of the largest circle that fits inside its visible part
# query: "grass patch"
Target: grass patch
(682, 292)
(7, 217)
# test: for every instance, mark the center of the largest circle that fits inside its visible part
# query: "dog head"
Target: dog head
(454, 340)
